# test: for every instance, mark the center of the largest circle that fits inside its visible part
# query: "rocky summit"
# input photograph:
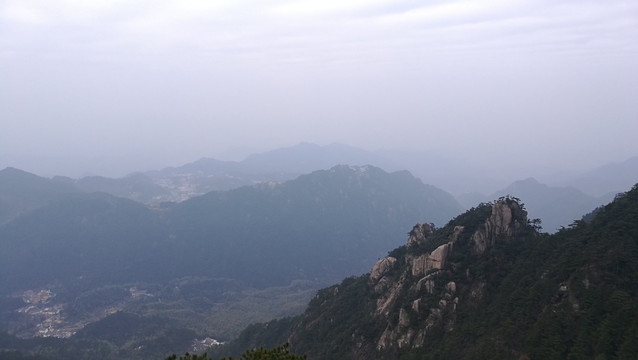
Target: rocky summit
(488, 285)
(413, 294)
(416, 298)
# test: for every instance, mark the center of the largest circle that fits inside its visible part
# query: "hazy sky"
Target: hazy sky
(109, 87)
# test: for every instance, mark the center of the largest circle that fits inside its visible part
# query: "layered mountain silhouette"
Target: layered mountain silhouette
(93, 250)
(321, 226)
(462, 178)
(455, 289)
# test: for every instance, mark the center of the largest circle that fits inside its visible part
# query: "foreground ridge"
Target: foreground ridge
(487, 285)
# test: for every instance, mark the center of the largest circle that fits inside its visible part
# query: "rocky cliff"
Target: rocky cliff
(411, 296)
(420, 296)
(488, 285)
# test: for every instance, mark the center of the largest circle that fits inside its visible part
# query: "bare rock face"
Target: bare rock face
(416, 294)
(507, 218)
(420, 265)
(417, 276)
(405, 333)
(455, 234)
(419, 234)
(378, 277)
(435, 260)
(426, 284)
(381, 268)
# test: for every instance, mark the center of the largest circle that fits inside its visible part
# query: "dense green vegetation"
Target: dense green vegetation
(565, 294)
(281, 352)
(572, 295)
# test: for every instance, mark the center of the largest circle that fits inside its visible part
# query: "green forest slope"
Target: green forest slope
(502, 291)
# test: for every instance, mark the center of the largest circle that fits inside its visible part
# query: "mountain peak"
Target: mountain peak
(507, 219)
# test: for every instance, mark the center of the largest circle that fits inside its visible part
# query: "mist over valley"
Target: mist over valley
(286, 179)
(205, 249)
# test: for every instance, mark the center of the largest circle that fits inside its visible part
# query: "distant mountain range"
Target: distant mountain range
(558, 202)
(136, 280)
(206, 174)
(310, 227)
(89, 254)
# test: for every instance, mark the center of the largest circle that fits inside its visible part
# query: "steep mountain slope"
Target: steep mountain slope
(486, 286)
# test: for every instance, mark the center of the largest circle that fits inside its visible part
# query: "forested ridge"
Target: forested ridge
(570, 295)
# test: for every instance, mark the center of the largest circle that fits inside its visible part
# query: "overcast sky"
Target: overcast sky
(108, 87)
